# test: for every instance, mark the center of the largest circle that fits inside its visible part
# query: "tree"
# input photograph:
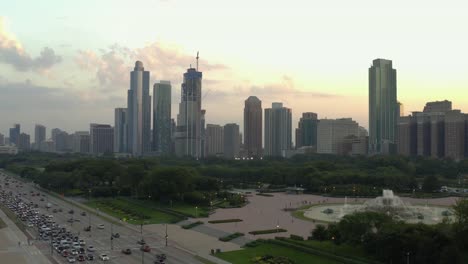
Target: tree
(431, 183)
(461, 211)
(320, 233)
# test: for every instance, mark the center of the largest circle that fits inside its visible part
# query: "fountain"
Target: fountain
(388, 203)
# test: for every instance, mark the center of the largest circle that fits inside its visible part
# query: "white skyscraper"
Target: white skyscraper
(278, 130)
(139, 111)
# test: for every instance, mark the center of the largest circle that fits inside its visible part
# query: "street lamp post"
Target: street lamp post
(196, 211)
(407, 257)
(166, 235)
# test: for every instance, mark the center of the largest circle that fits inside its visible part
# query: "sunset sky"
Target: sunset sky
(66, 63)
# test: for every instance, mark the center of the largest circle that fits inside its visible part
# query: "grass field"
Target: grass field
(342, 249)
(187, 209)
(245, 256)
(132, 212)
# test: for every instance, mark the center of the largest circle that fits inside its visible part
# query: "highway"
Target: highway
(99, 238)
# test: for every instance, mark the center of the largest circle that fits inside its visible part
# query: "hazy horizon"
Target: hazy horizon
(67, 64)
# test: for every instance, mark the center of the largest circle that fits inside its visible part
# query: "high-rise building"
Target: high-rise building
(120, 130)
(188, 132)
(231, 141)
(54, 132)
(331, 135)
(81, 142)
(14, 134)
(63, 141)
(423, 134)
(162, 142)
(306, 132)
(406, 136)
(383, 107)
(466, 135)
(138, 111)
(278, 130)
(101, 139)
(203, 133)
(253, 127)
(2, 139)
(455, 135)
(39, 135)
(24, 142)
(214, 140)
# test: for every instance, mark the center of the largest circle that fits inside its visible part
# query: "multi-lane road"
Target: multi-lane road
(99, 238)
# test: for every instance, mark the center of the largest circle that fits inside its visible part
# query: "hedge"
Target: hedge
(224, 221)
(192, 225)
(231, 237)
(268, 231)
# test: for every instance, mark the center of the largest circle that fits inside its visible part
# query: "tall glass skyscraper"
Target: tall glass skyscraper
(383, 107)
(278, 130)
(253, 127)
(162, 117)
(139, 111)
(188, 133)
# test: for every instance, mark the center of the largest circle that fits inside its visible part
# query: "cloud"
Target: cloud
(12, 53)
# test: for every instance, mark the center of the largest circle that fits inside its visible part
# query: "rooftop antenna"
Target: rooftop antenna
(197, 59)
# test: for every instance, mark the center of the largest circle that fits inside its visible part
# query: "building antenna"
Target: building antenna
(197, 59)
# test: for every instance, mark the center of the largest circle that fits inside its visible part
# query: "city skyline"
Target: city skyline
(65, 77)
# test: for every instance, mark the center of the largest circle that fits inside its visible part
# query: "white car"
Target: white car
(101, 226)
(71, 259)
(103, 257)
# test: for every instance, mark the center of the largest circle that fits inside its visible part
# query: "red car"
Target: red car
(145, 248)
(81, 258)
(65, 253)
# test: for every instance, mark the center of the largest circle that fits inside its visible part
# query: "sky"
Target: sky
(67, 64)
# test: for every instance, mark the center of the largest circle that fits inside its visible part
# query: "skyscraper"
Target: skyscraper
(306, 132)
(138, 111)
(101, 139)
(231, 141)
(253, 127)
(383, 107)
(188, 132)
(39, 135)
(2, 139)
(14, 134)
(81, 141)
(214, 140)
(162, 117)
(24, 142)
(278, 130)
(331, 134)
(120, 130)
(455, 134)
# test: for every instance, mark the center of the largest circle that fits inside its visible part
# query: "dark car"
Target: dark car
(127, 251)
(90, 257)
(141, 242)
(145, 248)
(81, 258)
(83, 213)
(116, 235)
(71, 211)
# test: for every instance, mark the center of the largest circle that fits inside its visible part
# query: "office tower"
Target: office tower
(39, 135)
(24, 142)
(400, 109)
(438, 107)
(231, 141)
(203, 133)
(382, 107)
(62, 141)
(138, 111)
(331, 135)
(278, 130)
(101, 139)
(162, 117)
(188, 132)
(253, 127)
(214, 140)
(2, 139)
(454, 134)
(14, 134)
(81, 141)
(120, 130)
(306, 132)
(423, 134)
(406, 139)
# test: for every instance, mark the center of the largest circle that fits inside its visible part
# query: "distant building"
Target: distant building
(438, 107)
(8, 150)
(331, 135)
(278, 130)
(2, 139)
(162, 142)
(383, 107)
(138, 112)
(39, 135)
(231, 141)
(14, 134)
(406, 143)
(214, 140)
(24, 142)
(47, 146)
(63, 141)
(203, 133)
(455, 135)
(253, 127)
(306, 132)
(188, 132)
(120, 130)
(81, 141)
(101, 139)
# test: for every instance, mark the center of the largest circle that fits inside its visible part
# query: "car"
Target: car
(83, 213)
(70, 220)
(87, 229)
(71, 211)
(127, 251)
(116, 235)
(71, 259)
(81, 250)
(141, 242)
(81, 258)
(100, 226)
(65, 253)
(104, 257)
(74, 252)
(91, 249)
(42, 199)
(145, 248)
(90, 257)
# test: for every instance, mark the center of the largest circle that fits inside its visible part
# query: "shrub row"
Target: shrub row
(231, 237)
(268, 231)
(225, 221)
(265, 194)
(192, 225)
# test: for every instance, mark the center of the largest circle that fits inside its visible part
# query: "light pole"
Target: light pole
(196, 211)
(407, 257)
(166, 235)
(112, 237)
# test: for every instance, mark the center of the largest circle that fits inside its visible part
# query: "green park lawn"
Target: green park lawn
(245, 256)
(120, 208)
(180, 207)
